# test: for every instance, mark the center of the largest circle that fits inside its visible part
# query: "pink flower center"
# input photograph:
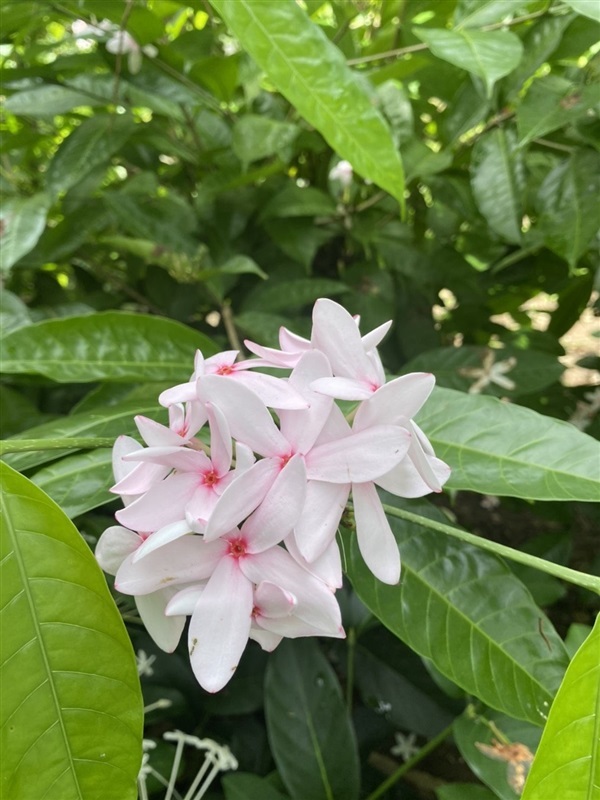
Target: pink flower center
(226, 369)
(283, 460)
(210, 478)
(237, 548)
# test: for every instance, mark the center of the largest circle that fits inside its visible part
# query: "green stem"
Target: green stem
(590, 582)
(73, 443)
(412, 762)
(351, 645)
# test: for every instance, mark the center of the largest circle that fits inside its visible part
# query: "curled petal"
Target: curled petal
(327, 567)
(373, 338)
(155, 434)
(114, 546)
(376, 541)
(141, 478)
(271, 600)
(166, 631)
(163, 536)
(220, 439)
(184, 602)
(266, 639)
(405, 480)
(182, 393)
(344, 388)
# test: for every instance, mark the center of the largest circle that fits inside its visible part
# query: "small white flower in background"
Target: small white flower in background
(491, 371)
(144, 663)
(382, 707)
(489, 502)
(119, 41)
(343, 173)
(406, 746)
(586, 409)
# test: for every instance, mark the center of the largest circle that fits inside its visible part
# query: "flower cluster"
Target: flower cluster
(240, 535)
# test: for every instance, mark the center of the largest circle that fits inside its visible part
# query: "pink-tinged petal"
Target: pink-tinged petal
(226, 358)
(405, 480)
(244, 457)
(163, 504)
(397, 400)
(184, 602)
(318, 523)
(182, 393)
(359, 457)
(272, 357)
(114, 546)
(420, 453)
(301, 428)
(376, 541)
(336, 427)
(123, 446)
(317, 605)
(373, 338)
(267, 640)
(241, 498)
(186, 560)
(274, 392)
(160, 538)
(186, 420)
(280, 509)
(344, 388)
(201, 506)
(198, 365)
(291, 342)
(220, 439)
(220, 626)
(155, 434)
(165, 631)
(271, 600)
(293, 627)
(335, 333)
(373, 356)
(178, 457)
(248, 417)
(327, 567)
(141, 478)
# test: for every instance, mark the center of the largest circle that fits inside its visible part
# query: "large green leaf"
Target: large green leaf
(487, 54)
(503, 449)
(71, 702)
(245, 786)
(567, 763)
(464, 610)
(23, 221)
(13, 313)
(588, 8)
(48, 100)
(475, 13)
(111, 346)
(568, 205)
(88, 146)
(112, 421)
(311, 736)
(78, 483)
(550, 103)
(312, 74)
(498, 182)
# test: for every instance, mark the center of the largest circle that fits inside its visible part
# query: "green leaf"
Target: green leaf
(71, 702)
(257, 137)
(13, 313)
(567, 763)
(296, 201)
(421, 161)
(498, 182)
(78, 483)
(245, 786)
(464, 610)
(502, 449)
(588, 8)
(311, 736)
(112, 421)
(312, 74)
(22, 222)
(568, 205)
(551, 103)
(111, 346)
(292, 295)
(464, 791)
(476, 13)
(88, 146)
(43, 101)
(460, 368)
(487, 54)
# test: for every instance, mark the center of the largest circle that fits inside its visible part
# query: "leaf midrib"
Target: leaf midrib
(49, 674)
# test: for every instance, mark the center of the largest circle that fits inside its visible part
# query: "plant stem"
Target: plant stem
(74, 443)
(590, 582)
(424, 751)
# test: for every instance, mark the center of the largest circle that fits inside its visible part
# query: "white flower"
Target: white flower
(144, 663)
(343, 173)
(491, 371)
(405, 746)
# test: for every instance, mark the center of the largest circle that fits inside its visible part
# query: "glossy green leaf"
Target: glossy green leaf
(588, 8)
(296, 201)
(71, 702)
(567, 763)
(13, 313)
(498, 182)
(462, 367)
(88, 146)
(311, 735)
(113, 421)
(78, 483)
(292, 295)
(257, 137)
(487, 54)
(312, 74)
(245, 786)
(476, 13)
(568, 205)
(464, 791)
(421, 161)
(483, 727)
(551, 103)
(111, 346)
(463, 609)
(502, 449)
(22, 222)
(48, 100)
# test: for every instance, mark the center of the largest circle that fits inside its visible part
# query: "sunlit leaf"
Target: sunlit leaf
(71, 701)
(22, 222)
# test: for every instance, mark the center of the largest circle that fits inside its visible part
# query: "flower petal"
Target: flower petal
(373, 338)
(184, 601)
(271, 600)
(359, 457)
(336, 334)
(318, 523)
(220, 626)
(405, 480)
(161, 537)
(376, 541)
(344, 388)
(175, 457)
(397, 400)
(113, 547)
(141, 478)
(241, 498)
(220, 439)
(166, 631)
(182, 393)
(266, 639)
(327, 567)
(155, 434)
(274, 392)
(123, 446)
(280, 509)
(301, 428)
(163, 504)
(272, 357)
